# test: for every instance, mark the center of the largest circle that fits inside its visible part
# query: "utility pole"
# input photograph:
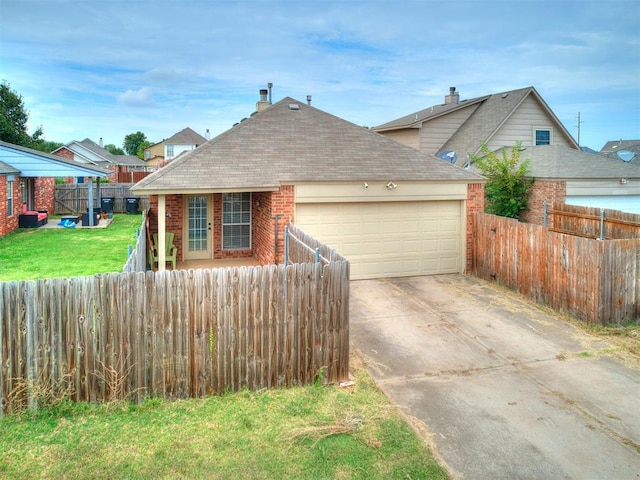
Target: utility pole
(578, 125)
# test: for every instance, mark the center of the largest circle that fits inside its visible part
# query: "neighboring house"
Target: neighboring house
(391, 210)
(615, 146)
(88, 151)
(154, 154)
(575, 177)
(457, 129)
(27, 177)
(183, 141)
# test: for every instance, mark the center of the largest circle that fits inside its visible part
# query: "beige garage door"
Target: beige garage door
(390, 239)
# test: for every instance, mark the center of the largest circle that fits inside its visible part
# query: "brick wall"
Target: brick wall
(549, 190)
(475, 204)
(264, 207)
(44, 194)
(8, 223)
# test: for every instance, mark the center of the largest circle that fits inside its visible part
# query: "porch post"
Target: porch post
(162, 225)
(90, 210)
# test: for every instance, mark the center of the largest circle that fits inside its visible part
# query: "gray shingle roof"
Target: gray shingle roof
(284, 145)
(186, 136)
(128, 160)
(617, 145)
(491, 113)
(6, 169)
(560, 162)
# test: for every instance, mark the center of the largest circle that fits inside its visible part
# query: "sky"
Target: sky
(106, 68)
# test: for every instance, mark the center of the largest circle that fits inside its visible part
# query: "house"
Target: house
(390, 209)
(27, 180)
(154, 154)
(88, 151)
(574, 177)
(165, 151)
(456, 130)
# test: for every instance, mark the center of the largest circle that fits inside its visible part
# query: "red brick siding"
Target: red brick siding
(475, 204)
(549, 190)
(44, 194)
(8, 223)
(264, 206)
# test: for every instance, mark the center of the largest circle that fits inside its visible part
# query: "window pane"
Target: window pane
(543, 137)
(236, 221)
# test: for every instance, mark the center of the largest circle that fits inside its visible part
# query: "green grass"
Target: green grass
(29, 254)
(309, 432)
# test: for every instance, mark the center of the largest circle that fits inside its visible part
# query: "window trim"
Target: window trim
(10, 205)
(230, 224)
(542, 129)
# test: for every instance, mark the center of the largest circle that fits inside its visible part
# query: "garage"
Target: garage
(390, 239)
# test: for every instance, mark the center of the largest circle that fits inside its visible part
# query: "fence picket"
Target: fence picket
(597, 281)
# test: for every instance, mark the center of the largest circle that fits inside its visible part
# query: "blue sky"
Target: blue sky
(100, 68)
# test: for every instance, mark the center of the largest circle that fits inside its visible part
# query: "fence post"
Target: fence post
(286, 246)
(544, 214)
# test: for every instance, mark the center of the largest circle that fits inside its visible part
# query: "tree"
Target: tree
(507, 190)
(132, 142)
(13, 117)
(13, 122)
(111, 148)
(144, 145)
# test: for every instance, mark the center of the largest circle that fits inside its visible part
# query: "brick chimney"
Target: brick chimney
(453, 97)
(264, 102)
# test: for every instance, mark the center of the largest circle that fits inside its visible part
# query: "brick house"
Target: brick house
(393, 211)
(125, 168)
(27, 177)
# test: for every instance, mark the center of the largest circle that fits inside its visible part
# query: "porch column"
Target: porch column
(162, 226)
(90, 210)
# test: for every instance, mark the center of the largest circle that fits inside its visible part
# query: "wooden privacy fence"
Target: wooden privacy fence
(592, 222)
(173, 334)
(74, 198)
(596, 281)
(137, 258)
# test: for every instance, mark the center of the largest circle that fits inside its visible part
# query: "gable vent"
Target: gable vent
(294, 106)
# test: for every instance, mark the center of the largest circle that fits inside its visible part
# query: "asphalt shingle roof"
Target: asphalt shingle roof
(287, 145)
(129, 160)
(560, 162)
(186, 136)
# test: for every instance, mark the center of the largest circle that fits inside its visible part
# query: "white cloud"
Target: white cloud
(137, 98)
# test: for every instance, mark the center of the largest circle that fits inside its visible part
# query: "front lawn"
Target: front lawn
(314, 432)
(29, 254)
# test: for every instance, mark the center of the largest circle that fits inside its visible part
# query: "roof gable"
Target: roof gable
(186, 136)
(492, 113)
(294, 142)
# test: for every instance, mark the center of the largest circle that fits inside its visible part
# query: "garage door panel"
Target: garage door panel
(389, 239)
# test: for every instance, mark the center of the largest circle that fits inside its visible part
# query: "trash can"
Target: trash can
(106, 204)
(132, 205)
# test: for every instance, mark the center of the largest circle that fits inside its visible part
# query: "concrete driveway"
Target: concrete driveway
(505, 390)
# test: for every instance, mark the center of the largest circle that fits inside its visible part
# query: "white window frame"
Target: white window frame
(169, 151)
(241, 223)
(542, 129)
(10, 181)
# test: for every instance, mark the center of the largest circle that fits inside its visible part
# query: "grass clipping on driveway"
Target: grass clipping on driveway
(309, 432)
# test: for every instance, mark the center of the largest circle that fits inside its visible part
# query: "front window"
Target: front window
(147, 154)
(236, 221)
(169, 151)
(543, 136)
(9, 198)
